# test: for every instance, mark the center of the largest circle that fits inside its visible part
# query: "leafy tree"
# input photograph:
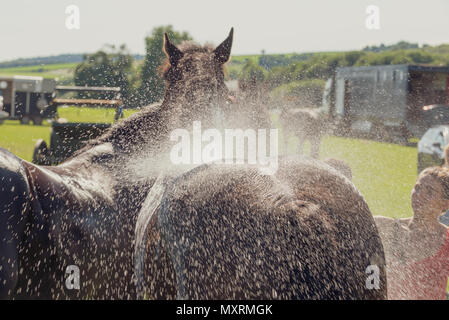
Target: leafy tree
(420, 56)
(352, 57)
(396, 57)
(304, 93)
(401, 45)
(270, 61)
(277, 60)
(251, 71)
(110, 67)
(152, 84)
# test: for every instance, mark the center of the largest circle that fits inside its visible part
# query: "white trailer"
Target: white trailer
(27, 98)
(397, 100)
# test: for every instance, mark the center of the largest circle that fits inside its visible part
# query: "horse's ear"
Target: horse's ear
(223, 51)
(173, 53)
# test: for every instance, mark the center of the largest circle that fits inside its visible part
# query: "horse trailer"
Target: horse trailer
(394, 101)
(27, 98)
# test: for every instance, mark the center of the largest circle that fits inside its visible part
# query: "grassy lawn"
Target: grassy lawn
(51, 71)
(20, 139)
(103, 115)
(384, 173)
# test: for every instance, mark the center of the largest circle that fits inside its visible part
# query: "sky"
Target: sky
(39, 28)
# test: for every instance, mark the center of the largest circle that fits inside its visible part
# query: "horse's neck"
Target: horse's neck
(144, 132)
(141, 139)
(139, 146)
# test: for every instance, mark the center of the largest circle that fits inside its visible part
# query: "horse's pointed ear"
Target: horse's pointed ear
(223, 51)
(173, 53)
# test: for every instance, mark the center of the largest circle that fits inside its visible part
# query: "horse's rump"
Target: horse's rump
(231, 232)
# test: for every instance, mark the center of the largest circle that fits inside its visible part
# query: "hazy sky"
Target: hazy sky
(38, 27)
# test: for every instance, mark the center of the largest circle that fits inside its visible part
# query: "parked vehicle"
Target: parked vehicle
(3, 114)
(65, 139)
(431, 146)
(390, 101)
(27, 98)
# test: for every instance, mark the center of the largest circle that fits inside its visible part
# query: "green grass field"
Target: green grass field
(51, 71)
(20, 139)
(384, 173)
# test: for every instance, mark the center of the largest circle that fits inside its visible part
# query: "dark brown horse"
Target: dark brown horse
(251, 107)
(226, 231)
(83, 212)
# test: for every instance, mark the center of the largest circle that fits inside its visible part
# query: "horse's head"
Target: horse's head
(195, 76)
(195, 91)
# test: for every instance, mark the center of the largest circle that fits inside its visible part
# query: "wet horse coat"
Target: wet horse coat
(230, 232)
(73, 214)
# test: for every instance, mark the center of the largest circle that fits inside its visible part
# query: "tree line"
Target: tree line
(296, 76)
(283, 74)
